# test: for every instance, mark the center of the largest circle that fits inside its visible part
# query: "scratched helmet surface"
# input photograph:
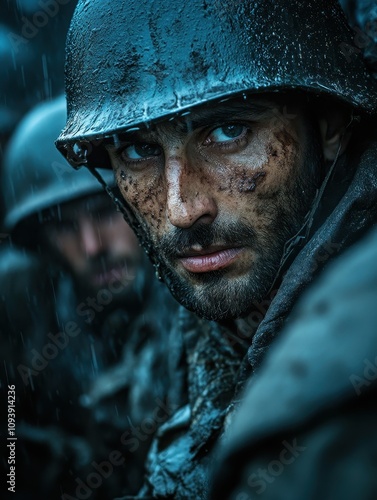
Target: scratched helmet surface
(34, 174)
(131, 62)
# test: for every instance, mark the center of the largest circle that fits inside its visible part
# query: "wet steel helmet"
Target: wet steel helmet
(130, 62)
(35, 176)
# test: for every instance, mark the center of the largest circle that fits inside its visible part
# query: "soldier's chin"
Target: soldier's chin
(217, 298)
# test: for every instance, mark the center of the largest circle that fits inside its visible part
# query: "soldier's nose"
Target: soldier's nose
(90, 238)
(188, 196)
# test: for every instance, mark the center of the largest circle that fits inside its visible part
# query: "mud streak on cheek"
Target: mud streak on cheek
(146, 199)
(268, 191)
(248, 183)
(283, 152)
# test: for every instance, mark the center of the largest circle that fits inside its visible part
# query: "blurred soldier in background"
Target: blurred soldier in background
(84, 325)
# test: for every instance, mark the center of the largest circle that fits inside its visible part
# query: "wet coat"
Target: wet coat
(307, 426)
(218, 365)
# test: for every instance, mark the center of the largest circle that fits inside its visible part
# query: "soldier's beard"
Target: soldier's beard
(125, 284)
(214, 295)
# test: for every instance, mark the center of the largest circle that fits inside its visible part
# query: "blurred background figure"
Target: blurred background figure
(83, 324)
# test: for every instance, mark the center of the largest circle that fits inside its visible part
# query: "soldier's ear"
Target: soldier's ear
(335, 133)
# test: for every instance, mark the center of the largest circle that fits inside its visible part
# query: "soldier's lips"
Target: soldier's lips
(211, 259)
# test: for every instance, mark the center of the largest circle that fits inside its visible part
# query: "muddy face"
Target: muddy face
(220, 191)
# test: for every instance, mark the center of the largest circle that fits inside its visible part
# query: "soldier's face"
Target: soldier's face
(218, 193)
(95, 243)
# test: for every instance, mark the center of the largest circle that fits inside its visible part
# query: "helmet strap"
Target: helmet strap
(294, 243)
(128, 215)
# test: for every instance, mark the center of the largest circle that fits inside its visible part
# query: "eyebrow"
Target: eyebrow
(238, 109)
(207, 116)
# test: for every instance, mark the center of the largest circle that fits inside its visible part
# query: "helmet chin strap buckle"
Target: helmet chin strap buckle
(77, 155)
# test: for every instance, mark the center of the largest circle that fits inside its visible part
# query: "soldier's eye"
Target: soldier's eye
(141, 151)
(227, 133)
